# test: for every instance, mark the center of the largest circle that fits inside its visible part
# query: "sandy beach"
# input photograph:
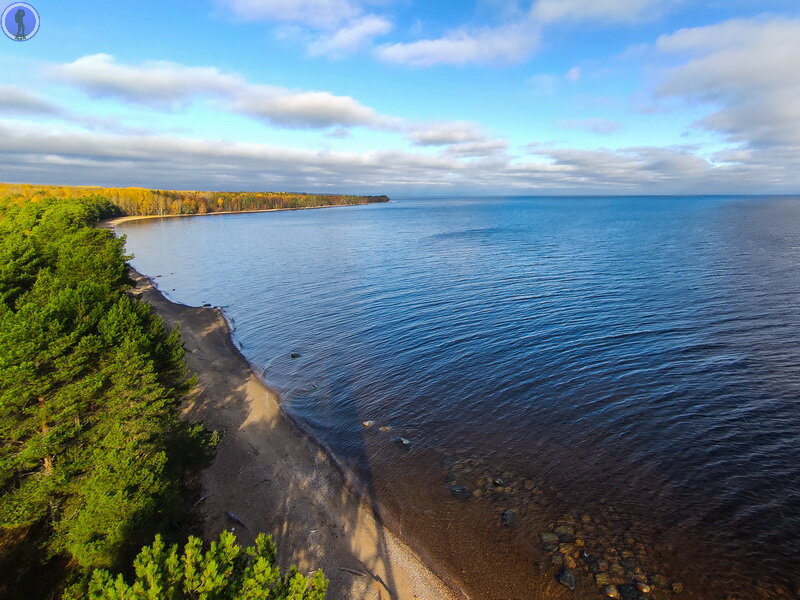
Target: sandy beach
(111, 223)
(275, 478)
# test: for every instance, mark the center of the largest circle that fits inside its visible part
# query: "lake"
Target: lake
(625, 368)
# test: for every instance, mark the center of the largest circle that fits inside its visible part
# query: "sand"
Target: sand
(111, 223)
(277, 479)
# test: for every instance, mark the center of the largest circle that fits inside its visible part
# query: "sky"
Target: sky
(407, 97)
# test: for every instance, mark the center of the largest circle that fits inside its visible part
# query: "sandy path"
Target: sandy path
(278, 480)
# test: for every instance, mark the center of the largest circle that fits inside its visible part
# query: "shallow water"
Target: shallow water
(637, 358)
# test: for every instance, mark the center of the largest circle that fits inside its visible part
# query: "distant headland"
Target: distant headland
(133, 201)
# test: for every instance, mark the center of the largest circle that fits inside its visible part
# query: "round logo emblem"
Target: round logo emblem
(20, 21)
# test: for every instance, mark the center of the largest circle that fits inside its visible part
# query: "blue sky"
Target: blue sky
(400, 96)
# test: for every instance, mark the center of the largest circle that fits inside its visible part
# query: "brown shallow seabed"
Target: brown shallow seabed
(276, 479)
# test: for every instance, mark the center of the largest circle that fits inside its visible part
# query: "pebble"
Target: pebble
(460, 492)
(508, 518)
(677, 588)
(566, 577)
(643, 587)
(611, 591)
(602, 579)
(548, 537)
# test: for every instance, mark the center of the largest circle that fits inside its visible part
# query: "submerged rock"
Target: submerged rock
(294, 355)
(602, 579)
(611, 591)
(385, 428)
(508, 518)
(460, 492)
(566, 577)
(643, 587)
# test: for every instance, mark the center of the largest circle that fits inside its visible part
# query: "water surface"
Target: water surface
(638, 358)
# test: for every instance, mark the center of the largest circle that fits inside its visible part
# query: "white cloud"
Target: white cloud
(165, 84)
(154, 82)
(606, 11)
(351, 38)
(319, 14)
(601, 126)
(44, 154)
(443, 134)
(18, 100)
(510, 43)
(748, 70)
(306, 109)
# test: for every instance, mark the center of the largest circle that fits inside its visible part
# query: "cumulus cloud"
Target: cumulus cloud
(351, 38)
(510, 43)
(607, 11)
(17, 100)
(166, 84)
(749, 70)
(38, 153)
(442, 134)
(336, 27)
(601, 126)
(154, 82)
(458, 138)
(307, 109)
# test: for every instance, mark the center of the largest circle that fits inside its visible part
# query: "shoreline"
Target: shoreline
(112, 223)
(276, 477)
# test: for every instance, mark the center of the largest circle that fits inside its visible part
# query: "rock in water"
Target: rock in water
(611, 591)
(368, 424)
(295, 355)
(460, 492)
(235, 519)
(508, 518)
(566, 577)
(406, 443)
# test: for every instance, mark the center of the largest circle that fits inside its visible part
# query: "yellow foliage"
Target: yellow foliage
(141, 201)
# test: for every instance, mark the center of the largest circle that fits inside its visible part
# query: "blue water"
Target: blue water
(645, 349)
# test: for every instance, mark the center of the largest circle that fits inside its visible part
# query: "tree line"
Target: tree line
(140, 201)
(93, 456)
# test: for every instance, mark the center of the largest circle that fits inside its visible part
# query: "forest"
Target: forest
(140, 201)
(95, 465)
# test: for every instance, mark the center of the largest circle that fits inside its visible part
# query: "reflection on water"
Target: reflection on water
(639, 351)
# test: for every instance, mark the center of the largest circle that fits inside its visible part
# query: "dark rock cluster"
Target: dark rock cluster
(588, 550)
